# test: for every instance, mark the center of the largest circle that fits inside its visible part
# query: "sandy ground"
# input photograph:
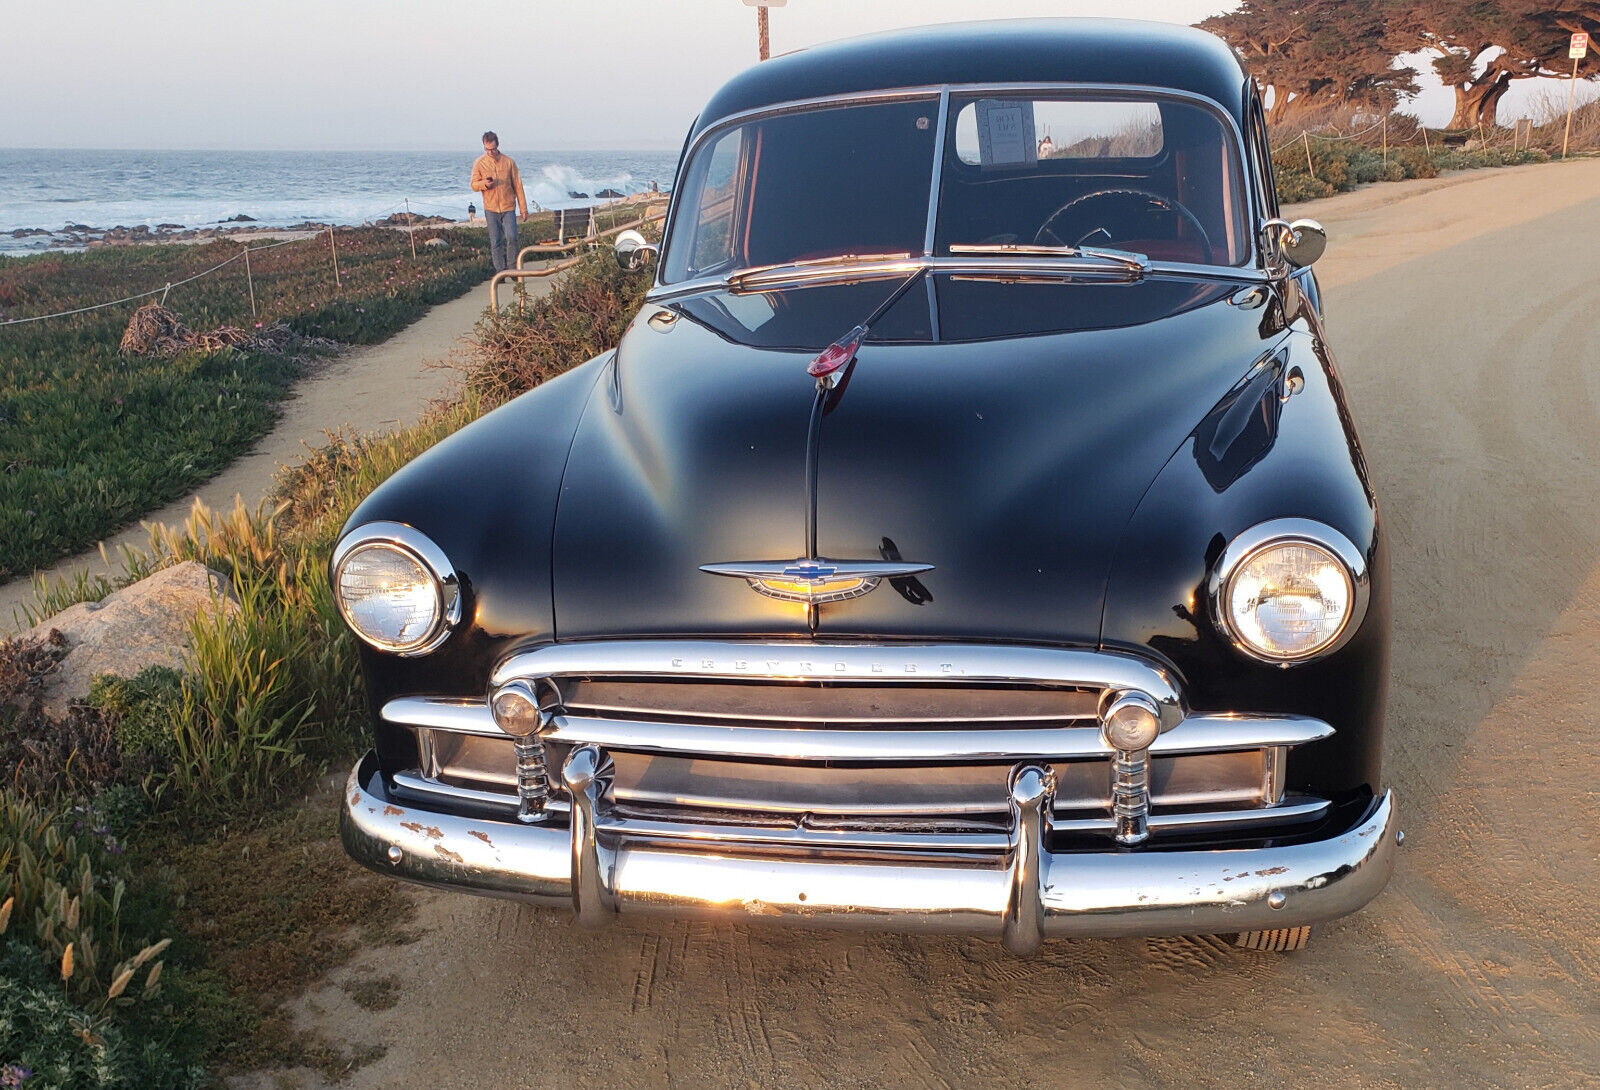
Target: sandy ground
(372, 388)
(1463, 315)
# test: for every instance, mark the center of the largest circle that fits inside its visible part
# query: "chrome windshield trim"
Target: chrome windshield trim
(1251, 265)
(782, 277)
(938, 170)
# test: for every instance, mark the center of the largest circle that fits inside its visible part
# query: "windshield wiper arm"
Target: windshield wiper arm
(840, 267)
(1138, 263)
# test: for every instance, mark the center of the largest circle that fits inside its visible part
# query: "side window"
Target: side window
(1261, 154)
(717, 201)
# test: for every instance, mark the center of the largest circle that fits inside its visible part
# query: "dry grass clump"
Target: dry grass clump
(156, 331)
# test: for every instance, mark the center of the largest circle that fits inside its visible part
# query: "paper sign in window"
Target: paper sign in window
(1005, 132)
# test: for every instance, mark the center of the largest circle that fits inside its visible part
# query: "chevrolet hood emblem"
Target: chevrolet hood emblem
(815, 579)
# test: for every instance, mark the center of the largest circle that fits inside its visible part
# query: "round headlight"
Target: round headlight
(1289, 591)
(394, 588)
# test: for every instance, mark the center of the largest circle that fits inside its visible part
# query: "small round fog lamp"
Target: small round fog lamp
(516, 710)
(1130, 722)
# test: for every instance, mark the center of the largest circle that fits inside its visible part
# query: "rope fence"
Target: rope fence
(406, 207)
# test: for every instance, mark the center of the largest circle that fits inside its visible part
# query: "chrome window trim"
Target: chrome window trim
(417, 545)
(1276, 532)
(1253, 257)
(938, 172)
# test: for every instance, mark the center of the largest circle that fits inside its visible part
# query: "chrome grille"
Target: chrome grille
(871, 739)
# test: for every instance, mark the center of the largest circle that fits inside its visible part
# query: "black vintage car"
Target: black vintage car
(968, 534)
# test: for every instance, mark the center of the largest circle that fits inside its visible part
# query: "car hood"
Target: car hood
(1011, 464)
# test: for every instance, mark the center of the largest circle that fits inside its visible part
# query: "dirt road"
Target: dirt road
(1465, 325)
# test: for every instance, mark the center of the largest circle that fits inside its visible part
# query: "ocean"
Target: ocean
(50, 189)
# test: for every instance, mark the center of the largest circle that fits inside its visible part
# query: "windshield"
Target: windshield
(1019, 174)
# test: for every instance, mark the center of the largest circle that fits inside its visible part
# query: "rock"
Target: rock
(240, 218)
(143, 625)
(608, 194)
(169, 227)
(575, 195)
(77, 227)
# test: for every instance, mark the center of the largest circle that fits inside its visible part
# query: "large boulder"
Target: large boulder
(142, 625)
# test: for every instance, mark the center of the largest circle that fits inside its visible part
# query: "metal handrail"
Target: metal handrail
(640, 222)
(524, 274)
(520, 273)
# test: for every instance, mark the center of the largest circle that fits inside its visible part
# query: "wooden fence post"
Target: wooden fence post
(334, 248)
(250, 280)
(1306, 138)
(411, 230)
(1385, 139)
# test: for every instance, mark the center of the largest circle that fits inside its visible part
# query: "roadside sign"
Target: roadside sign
(1577, 50)
(765, 3)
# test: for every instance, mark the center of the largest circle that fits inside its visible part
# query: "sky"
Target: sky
(433, 74)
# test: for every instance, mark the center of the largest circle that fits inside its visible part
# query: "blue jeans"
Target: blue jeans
(502, 238)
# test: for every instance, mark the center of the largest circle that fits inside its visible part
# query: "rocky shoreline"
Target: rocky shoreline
(80, 236)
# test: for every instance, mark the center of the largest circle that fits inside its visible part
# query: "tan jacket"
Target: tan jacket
(506, 194)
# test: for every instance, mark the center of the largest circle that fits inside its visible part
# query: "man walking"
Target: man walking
(495, 176)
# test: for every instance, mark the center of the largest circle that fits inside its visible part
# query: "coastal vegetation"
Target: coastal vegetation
(91, 438)
(185, 818)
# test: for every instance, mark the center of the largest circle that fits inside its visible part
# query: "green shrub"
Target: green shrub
(62, 891)
(141, 709)
(583, 316)
(48, 1043)
(1417, 163)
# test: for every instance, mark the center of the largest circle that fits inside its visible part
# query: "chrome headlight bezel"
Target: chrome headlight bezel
(1290, 531)
(416, 546)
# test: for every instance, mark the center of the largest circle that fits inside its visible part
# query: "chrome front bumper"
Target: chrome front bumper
(595, 864)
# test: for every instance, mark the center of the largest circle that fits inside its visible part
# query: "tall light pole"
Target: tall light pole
(763, 46)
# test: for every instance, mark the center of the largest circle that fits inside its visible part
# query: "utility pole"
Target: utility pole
(763, 45)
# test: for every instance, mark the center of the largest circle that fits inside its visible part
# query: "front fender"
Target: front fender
(487, 497)
(1257, 456)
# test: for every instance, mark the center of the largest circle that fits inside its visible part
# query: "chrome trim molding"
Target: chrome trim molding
(1031, 894)
(1276, 532)
(1196, 733)
(1297, 810)
(417, 545)
(888, 663)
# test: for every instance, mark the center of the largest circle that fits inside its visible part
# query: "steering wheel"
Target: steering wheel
(1057, 223)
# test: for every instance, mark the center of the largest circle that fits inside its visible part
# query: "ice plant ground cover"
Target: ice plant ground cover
(196, 807)
(91, 439)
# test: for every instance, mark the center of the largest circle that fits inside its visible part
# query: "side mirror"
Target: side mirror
(632, 251)
(1296, 244)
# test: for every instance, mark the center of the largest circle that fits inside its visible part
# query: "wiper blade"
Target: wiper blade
(822, 269)
(1139, 263)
